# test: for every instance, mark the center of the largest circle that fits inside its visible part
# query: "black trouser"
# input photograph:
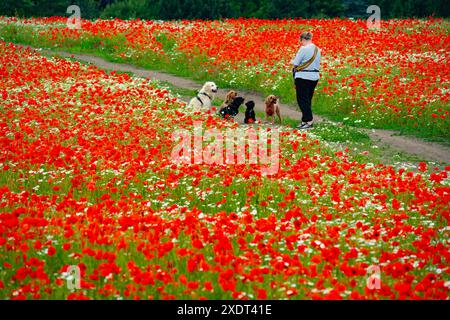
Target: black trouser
(305, 91)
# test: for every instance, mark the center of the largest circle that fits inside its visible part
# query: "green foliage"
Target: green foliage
(218, 9)
(129, 9)
(15, 7)
(90, 9)
(413, 8)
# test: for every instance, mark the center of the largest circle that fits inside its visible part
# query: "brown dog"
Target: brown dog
(272, 108)
(228, 99)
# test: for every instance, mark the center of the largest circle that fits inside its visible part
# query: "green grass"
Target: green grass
(338, 107)
(357, 142)
(235, 194)
(183, 92)
(342, 111)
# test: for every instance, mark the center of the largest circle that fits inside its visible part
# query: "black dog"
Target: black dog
(250, 113)
(231, 110)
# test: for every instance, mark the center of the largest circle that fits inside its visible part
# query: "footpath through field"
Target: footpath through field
(430, 151)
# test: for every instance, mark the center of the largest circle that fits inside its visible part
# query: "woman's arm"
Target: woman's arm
(299, 57)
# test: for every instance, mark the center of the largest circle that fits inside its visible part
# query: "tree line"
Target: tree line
(218, 9)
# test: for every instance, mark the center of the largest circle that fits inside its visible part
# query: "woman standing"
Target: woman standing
(306, 74)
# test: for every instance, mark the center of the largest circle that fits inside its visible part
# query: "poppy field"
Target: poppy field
(88, 183)
(393, 78)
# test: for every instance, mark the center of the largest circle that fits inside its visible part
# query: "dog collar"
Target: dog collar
(206, 95)
(199, 100)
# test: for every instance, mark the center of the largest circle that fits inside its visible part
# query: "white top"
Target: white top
(304, 54)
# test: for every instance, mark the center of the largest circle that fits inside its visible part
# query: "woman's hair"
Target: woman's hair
(306, 36)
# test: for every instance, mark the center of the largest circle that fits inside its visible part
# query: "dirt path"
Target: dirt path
(423, 149)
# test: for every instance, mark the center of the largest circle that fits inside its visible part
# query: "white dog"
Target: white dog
(205, 97)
